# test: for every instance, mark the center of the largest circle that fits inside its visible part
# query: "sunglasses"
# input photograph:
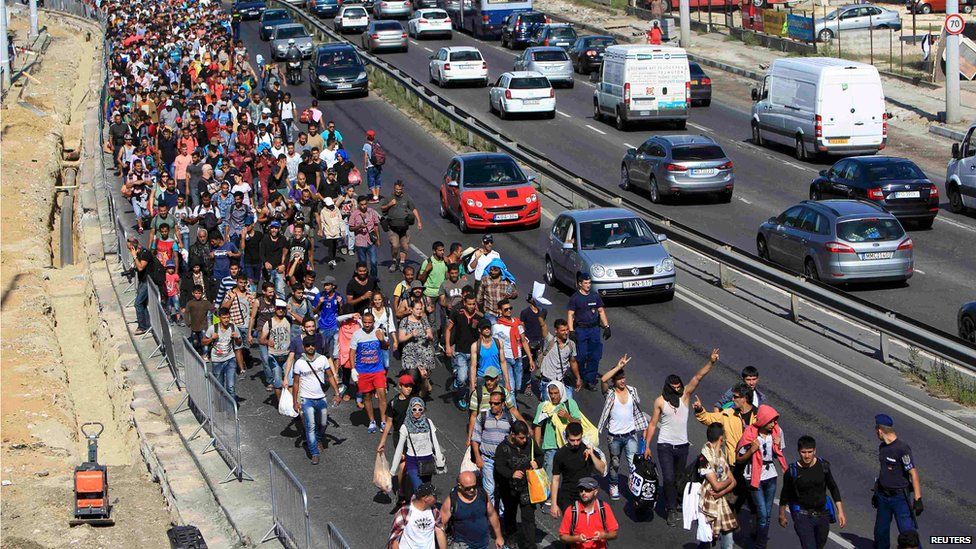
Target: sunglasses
(495, 403)
(471, 488)
(506, 309)
(587, 490)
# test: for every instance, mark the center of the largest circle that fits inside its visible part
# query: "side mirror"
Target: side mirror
(632, 151)
(662, 237)
(453, 184)
(491, 85)
(595, 76)
(431, 57)
(955, 151)
(532, 178)
(823, 173)
(755, 94)
(567, 245)
(772, 220)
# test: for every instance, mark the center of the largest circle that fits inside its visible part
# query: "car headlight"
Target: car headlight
(667, 265)
(598, 271)
(474, 203)
(361, 75)
(323, 78)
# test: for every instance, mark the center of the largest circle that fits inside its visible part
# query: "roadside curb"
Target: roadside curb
(942, 131)
(726, 67)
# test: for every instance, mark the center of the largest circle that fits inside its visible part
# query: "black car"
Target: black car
(896, 184)
(967, 322)
(562, 35)
(519, 28)
(271, 19)
(587, 53)
(248, 9)
(701, 85)
(337, 69)
(323, 8)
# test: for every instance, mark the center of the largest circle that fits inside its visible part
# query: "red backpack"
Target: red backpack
(378, 155)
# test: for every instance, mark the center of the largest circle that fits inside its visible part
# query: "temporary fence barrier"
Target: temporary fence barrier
(290, 523)
(336, 541)
(226, 429)
(197, 386)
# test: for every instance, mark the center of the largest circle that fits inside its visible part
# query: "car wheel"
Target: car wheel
(430, 75)
(652, 188)
(667, 296)
(625, 178)
(761, 248)
(925, 9)
(799, 149)
(925, 224)
(491, 105)
(825, 35)
(815, 193)
(725, 196)
(501, 111)
(619, 121)
(955, 199)
(810, 270)
(706, 102)
(665, 6)
(550, 274)
(484, 83)
(443, 210)
(551, 114)
(597, 115)
(572, 84)
(681, 124)
(462, 224)
(966, 9)
(967, 328)
(756, 135)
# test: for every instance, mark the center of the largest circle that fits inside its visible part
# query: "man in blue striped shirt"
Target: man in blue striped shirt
(227, 283)
(490, 429)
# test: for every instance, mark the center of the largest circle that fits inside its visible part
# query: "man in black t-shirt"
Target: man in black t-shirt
(572, 462)
(361, 287)
(146, 274)
(273, 252)
(459, 335)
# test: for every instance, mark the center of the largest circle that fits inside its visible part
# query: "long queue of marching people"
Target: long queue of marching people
(240, 191)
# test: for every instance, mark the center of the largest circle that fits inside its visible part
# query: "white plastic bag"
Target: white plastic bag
(467, 464)
(382, 478)
(286, 405)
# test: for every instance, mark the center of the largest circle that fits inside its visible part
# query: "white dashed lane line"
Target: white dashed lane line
(428, 49)
(629, 146)
(699, 127)
(561, 113)
(601, 132)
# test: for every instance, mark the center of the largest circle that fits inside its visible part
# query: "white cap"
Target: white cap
(538, 289)
(281, 303)
(329, 201)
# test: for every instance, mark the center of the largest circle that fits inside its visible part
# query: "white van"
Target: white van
(640, 82)
(961, 173)
(821, 105)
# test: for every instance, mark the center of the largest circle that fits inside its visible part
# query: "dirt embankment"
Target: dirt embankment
(54, 375)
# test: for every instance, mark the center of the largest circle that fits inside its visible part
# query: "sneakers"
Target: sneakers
(332, 264)
(672, 518)
(394, 267)
(372, 427)
(315, 460)
(614, 492)
(382, 426)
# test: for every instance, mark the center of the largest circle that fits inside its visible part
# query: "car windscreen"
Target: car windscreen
(355, 12)
(274, 15)
(435, 14)
(290, 32)
(615, 233)
(870, 230)
(529, 83)
(492, 172)
(326, 2)
(465, 56)
(549, 55)
(342, 58)
(563, 32)
(696, 153)
(387, 26)
(600, 42)
(532, 19)
(889, 171)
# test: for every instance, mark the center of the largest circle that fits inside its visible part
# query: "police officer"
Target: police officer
(898, 491)
(586, 317)
(235, 25)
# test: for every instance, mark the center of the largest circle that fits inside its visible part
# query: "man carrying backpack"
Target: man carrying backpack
(466, 515)
(374, 156)
(588, 523)
(805, 486)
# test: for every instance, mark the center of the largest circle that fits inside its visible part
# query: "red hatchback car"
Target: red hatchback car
(489, 190)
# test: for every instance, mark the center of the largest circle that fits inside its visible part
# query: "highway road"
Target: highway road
(672, 337)
(767, 180)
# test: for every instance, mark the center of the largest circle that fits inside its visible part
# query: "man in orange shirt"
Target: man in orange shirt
(588, 523)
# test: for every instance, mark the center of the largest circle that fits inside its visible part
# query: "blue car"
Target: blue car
(323, 8)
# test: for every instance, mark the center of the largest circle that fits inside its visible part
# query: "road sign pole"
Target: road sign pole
(33, 19)
(4, 55)
(952, 62)
(684, 14)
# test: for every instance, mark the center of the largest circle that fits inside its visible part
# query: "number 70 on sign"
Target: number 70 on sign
(954, 24)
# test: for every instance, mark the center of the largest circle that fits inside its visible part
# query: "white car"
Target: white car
(458, 63)
(429, 22)
(351, 19)
(522, 92)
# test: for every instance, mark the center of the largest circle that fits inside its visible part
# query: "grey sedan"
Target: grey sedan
(856, 16)
(838, 241)
(617, 248)
(290, 31)
(552, 61)
(383, 35)
(672, 165)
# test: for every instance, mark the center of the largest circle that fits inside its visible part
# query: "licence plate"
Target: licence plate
(908, 194)
(694, 82)
(638, 283)
(837, 140)
(530, 101)
(877, 255)
(344, 86)
(703, 171)
(506, 217)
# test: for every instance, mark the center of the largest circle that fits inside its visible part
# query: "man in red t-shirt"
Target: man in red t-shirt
(588, 523)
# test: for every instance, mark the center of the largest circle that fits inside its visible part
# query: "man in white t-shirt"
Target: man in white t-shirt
(418, 524)
(308, 393)
(510, 331)
(483, 256)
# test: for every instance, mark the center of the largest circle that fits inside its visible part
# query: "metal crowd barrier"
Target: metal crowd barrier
(225, 426)
(197, 397)
(336, 541)
(290, 523)
(160, 329)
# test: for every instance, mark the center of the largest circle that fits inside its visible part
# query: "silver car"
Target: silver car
(856, 16)
(387, 9)
(552, 61)
(291, 31)
(615, 246)
(838, 241)
(385, 35)
(673, 165)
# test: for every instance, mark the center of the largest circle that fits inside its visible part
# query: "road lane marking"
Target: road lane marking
(414, 42)
(629, 146)
(418, 251)
(699, 127)
(601, 132)
(920, 271)
(797, 166)
(547, 214)
(743, 199)
(955, 223)
(561, 113)
(428, 49)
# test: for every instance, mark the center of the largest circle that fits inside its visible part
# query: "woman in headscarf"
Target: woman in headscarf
(551, 418)
(418, 437)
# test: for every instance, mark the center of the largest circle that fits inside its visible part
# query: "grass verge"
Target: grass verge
(941, 380)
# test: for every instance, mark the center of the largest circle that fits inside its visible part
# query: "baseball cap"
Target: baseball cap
(328, 201)
(329, 280)
(405, 379)
(416, 284)
(492, 371)
(274, 224)
(370, 133)
(280, 303)
(484, 323)
(587, 482)
(884, 419)
(487, 238)
(170, 263)
(169, 102)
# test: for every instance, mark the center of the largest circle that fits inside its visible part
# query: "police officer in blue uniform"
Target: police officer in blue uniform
(898, 491)
(587, 317)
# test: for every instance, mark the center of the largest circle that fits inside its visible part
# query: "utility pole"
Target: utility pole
(684, 12)
(33, 20)
(4, 55)
(952, 68)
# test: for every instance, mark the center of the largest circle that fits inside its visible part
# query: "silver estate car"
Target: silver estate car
(385, 35)
(617, 248)
(853, 17)
(290, 31)
(838, 241)
(388, 9)
(552, 61)
(671, 165)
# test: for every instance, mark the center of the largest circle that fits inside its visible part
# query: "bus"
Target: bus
(482, 18)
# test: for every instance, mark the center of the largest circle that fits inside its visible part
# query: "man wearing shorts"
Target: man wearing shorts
(365, 347)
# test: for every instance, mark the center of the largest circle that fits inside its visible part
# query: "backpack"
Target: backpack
(575, 517)
(377, 155)
(306, 116)
(454, 505)
(831, 509)
(209, 221)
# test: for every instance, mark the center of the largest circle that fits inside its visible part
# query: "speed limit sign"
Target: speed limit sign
(954, 24)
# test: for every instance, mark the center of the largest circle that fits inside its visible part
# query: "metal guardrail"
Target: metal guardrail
(888, 324)
(290, 522)
(160, 329)
(197, 399)
(225, 426)
(336, 541)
